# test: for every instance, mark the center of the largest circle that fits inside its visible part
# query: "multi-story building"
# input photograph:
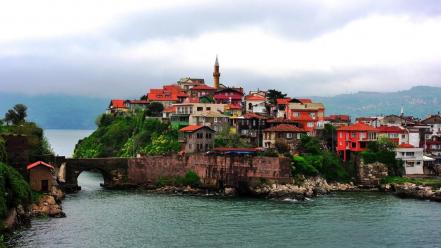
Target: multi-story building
(283, 133)
(255, 103)
(396, 134)
(134, 105)
(338, 120)
(413, 158)
(281, 107)
(202, 90)
(371, 121)
(229, 96)
(196, 138)
(354, 138)
(434, 121)
(214, 120)
(251, 126)
(168, 95)
(309, 115)
(188, 83)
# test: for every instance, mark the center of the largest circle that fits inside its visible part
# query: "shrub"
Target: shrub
(191, 178)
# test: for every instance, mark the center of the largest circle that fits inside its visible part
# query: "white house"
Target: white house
(412, 157)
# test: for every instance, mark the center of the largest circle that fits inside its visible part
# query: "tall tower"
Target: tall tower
(216, 74)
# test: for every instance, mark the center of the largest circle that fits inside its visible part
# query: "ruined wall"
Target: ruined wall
(213, 170)
(369, 175)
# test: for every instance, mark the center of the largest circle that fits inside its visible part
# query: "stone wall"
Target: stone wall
(214, 171)
(369, 175)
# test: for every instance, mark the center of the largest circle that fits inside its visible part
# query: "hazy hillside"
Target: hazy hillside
(418, 101)
(77, 112)
(57, 111)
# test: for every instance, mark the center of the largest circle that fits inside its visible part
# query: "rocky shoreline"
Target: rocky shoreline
(410, 190)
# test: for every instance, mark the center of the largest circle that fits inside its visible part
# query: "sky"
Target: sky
(110, 48)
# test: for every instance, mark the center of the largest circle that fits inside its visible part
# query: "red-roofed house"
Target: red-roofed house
(283, 133)
(116, 105)
(196, 138)
(202, 90)
(338, 120)
(229, 96)
(281, 107)
(168, 95)
(354, 138)
(396, 134)
(233, 110)
(310, 116)
(256, 104)
(40, 176)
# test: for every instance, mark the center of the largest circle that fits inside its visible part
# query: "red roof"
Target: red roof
(358, 127)
(192, 100)
(30, 166)
(283, 101)
(167, 93)
(255, 98)
(406, 146)
(305, 100)
(192, 128)
(203, 87)
(117, 103)
(338, 118)
(234, 106)
(285, 128)
(391, 129)
(170, 109)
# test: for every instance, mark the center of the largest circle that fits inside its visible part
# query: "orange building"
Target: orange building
(309, 115)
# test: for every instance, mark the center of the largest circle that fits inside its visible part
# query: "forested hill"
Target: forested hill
(57, 111)
(418, 101)
(79, 112)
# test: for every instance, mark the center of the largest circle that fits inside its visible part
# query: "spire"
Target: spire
(216, 74)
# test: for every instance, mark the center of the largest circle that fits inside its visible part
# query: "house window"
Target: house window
(208, 135)
(403, 136)
(310, 124)
(410, 154)
(353, 135)
(289, 135)
(199, 135)
(410, 164)
(363, 135)
(199, 108)
(312, 115)
(208, 108)
(353, 144)
(296, 114)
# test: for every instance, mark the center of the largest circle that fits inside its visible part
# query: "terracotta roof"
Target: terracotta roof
(358, 127)
(167, 93)
(283, 101)
(253, 116)
(255, 98)
(117, 103)
(170, 109)
(285, 128)
(203, 87)
(192, 128)
(305, 100)
(406, 146)
(391, 129)
(30, 166)
(234, 106)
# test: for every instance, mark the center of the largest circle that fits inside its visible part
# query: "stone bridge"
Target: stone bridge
(213, 170)
(113, 170)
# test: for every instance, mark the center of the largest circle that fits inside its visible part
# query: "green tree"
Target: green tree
(162, 144)
(226, 138)
(273, 95)
(16, 115)
(154, 109)
(3, 154)
(383, 151)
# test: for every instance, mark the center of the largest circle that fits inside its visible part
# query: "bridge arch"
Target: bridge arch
(113, 170)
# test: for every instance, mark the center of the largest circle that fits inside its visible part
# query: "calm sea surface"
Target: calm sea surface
(103, 218)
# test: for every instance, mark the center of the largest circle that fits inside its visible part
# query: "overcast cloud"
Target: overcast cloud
(122, 48)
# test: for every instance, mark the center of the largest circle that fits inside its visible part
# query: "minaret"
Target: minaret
(216, 74)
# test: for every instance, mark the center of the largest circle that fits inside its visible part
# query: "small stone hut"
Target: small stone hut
(40, 176)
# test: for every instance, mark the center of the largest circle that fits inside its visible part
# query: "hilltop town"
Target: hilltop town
(271, 120)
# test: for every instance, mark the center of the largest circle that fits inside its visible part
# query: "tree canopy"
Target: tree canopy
(273, 95)
(16, 115)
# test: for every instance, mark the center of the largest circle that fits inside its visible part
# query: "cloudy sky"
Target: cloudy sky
(121, 48)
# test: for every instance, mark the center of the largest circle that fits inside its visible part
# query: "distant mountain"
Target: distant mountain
(79, 112)
(418, 101)
(57, 111)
